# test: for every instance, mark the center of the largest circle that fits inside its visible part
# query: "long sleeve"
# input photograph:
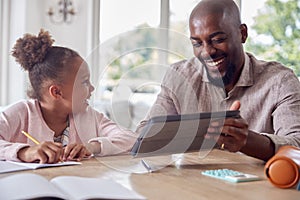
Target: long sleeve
(84, 127)
(286, 113)
(179, 93)
(12, 121)
(94, 126)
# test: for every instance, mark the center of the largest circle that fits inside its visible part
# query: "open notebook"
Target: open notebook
(10, 166)
(63, 187)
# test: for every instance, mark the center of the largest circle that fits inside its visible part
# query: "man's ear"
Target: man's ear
(55, 91)
(244, 32)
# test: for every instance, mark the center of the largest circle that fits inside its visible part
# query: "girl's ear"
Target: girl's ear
(55, 91)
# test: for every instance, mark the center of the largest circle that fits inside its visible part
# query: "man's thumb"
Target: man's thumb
(235, 105)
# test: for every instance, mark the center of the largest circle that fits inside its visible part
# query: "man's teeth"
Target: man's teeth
(214, 63)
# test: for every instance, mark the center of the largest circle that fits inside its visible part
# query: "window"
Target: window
(274, 33)
(179, 17)
(137, 46)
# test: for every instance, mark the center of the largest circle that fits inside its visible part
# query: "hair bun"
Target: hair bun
(32, 49)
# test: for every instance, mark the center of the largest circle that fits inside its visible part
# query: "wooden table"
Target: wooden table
(180, 179)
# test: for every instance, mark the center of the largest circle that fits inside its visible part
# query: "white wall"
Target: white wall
(72, 35)
(29, 16)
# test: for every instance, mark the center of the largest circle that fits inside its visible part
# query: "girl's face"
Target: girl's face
(77, 87)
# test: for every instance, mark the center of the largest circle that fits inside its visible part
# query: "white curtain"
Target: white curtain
(4, 50)
(94, 39)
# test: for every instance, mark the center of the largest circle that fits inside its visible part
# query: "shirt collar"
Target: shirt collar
(246, 77)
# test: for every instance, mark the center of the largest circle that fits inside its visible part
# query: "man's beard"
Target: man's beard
(225, 80)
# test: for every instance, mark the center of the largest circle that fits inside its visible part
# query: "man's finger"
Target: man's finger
(235, 105)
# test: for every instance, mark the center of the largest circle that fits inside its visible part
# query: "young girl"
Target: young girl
(58, 114)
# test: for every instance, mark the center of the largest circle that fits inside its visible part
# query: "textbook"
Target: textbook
(11, 166)
(33, 186)
(172, 134)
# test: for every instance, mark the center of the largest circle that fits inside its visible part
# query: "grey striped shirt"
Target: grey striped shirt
(269, 93)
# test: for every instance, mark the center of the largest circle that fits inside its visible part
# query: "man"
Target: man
(222, 76)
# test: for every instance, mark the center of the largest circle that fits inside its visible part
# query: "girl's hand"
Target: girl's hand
(75, 152)
(45, 152)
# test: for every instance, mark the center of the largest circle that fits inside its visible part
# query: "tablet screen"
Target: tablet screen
(177, 133)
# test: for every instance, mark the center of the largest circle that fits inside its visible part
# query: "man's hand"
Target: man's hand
(234, 131)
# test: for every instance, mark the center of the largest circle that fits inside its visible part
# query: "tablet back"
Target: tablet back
(177, 133)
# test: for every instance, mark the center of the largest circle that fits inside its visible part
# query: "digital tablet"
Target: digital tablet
(173, 134)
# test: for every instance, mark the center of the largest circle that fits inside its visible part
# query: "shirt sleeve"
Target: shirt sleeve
(286, 115)
(113, 138)
(8, 127)
(166, 102)
(8, 150)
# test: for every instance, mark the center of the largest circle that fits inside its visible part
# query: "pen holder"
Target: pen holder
(283, 169)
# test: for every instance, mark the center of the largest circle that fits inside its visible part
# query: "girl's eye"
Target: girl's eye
(86, 82)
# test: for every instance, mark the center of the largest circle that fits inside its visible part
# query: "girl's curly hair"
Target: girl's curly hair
(45, 63)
